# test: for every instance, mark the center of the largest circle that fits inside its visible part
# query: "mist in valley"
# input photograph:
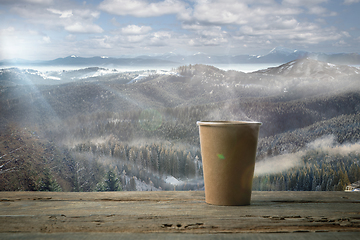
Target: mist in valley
(101, 129)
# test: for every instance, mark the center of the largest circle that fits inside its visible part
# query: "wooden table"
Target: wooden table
(180, 215)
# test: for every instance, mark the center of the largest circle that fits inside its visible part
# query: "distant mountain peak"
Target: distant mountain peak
(277, 55)
(282, 50)
(311, 68)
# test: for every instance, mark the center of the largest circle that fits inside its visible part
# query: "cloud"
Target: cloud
(135, 30)
(313, 6)
(63, 14)
(303, 2)
(136, 37)
(206, 35)
(317, 10)
(142, 8)
(80, 27)
(221, 13)
(38, 2)
(290, 30)
(87, 14)
(70, 37)
(258, 22)
(349, 2)
(74, 20)
(240, 13)
(46, 39)
(160, 38)
(45, 2)
(103, 42)
(195, 25)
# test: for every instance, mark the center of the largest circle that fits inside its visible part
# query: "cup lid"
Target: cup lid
(216, 123)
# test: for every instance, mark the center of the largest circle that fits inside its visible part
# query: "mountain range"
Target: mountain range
(303, 68)
(79, 124)
(276, 55)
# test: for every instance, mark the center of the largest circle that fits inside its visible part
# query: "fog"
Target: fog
(247, 68)
(95, 121)
(286, 162)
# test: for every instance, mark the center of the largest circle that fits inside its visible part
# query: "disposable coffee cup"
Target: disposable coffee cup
(228, 150)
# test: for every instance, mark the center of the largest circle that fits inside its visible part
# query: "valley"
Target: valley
(78, 130)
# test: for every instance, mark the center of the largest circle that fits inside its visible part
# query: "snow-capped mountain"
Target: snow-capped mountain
(281, 54)
(276, 55)
(18, 76)
(310, 68)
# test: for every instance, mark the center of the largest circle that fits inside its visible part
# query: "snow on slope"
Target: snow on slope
(311, 68)
(98, 73)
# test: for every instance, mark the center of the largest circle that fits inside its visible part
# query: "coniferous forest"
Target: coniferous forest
(113, 133)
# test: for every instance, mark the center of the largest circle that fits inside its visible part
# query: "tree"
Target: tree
(111, 183)
(48, 183)
(132, 184)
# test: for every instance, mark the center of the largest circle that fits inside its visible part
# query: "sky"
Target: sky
(49, 29)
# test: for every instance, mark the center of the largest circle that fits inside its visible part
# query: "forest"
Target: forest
(106, 135)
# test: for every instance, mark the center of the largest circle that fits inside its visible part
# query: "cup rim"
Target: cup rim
(217, 123)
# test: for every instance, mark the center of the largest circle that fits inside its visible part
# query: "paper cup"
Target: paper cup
(228, 150)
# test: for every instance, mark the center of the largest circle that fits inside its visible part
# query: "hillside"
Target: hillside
(29, 163)
(310, 68)
(142, 125)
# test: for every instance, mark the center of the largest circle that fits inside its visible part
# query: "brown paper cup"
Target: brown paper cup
(228, 150)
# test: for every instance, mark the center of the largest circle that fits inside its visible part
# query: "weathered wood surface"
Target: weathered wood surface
(177, 212)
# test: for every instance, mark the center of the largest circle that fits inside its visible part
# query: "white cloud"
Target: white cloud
(86, 13)
(135, 38)
(135, 30)
(45, 2)
(46, 39)
(301, 33)
(7, 31)
(235, 12)
(226, 24)
(74, 20)
(346, 34)
(114, 22)
(259, 22)
(317, 10)
(70, 37)
(38, 2)
(206, 35)
(103, 42)
(348, 2)
(142, 8)
(313, 6)
(341, 43)
(160, 38)
(221, 13)
(63, 14)
(304, 2)
(80, 27)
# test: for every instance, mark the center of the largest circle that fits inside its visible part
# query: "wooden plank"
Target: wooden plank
(180, 236)
(177, 212)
